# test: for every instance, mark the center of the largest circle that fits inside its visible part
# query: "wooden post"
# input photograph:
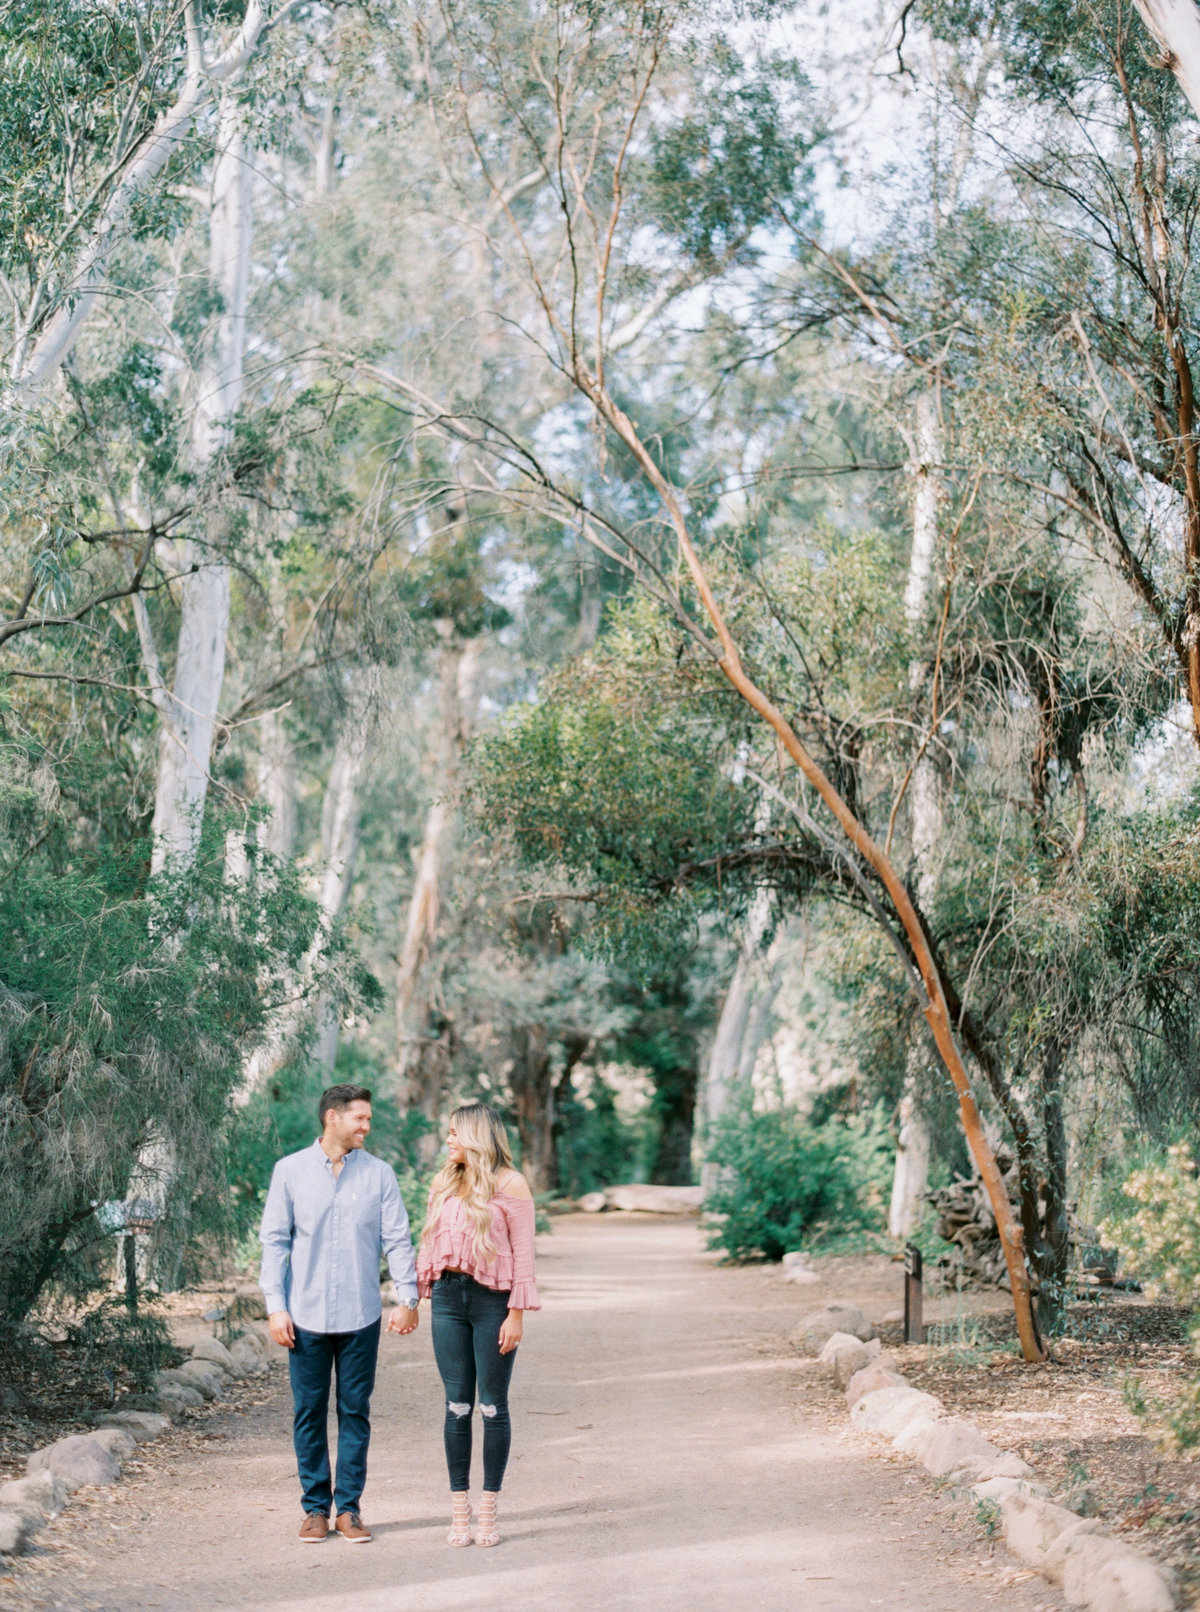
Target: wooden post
(914, 1329)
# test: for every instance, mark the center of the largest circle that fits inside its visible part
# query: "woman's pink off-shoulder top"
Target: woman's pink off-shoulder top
(451, 1246)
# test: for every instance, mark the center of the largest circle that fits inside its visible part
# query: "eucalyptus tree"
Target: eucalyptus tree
(575, 262)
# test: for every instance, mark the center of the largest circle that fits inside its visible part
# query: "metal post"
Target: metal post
(914, 1329)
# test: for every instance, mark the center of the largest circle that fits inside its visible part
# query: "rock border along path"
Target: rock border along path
(97, 1459)
(1092, 1569)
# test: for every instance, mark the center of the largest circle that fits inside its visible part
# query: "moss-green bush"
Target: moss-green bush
(786, 1182)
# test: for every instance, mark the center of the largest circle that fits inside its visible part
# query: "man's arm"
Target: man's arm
(276, 1237)
(398, 1250)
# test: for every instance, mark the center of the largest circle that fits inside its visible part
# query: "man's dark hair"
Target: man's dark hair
(340, 1097)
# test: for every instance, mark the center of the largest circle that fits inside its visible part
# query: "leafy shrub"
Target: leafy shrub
(1157, 1225)
(135, 1345)
(127, 1009)
(1157, 1228)
(785, 1181)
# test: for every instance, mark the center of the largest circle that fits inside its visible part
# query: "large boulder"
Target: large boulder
(204, 1375)
(205, 1379)
(844, 1354)
(1033, 1524)
(174, 1398)
(999, 1489)
(1105, 1575)
(813, 1332)
(35, 1498)
(248, 1356)
(654, 1200)
(78, 1460)
(882, 1372)
(139, 1424)
(593, 1203)
(953, 1448)
(213, 1350)
(118, 1441)
(888, 1411)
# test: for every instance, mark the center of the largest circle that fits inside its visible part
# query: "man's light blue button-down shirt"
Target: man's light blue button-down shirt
(322, 1236)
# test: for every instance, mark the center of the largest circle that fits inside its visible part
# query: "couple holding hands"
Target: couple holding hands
(331, 1212)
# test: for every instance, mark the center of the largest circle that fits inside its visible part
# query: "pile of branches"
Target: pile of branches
(976, 1259)
(965, 1220)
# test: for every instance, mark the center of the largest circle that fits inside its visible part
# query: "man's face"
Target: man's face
(348, 1127)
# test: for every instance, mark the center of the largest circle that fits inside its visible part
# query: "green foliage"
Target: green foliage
(598, 1145)
(988, 1516)
(1157, 1229)
(600, 779)
(719, 173)
(134, 1345)
(785, 1182)
(127, 1008)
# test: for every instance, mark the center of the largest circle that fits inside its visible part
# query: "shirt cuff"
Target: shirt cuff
(274, 1302)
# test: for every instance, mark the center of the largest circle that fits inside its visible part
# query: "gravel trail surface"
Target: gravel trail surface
(665, 1459)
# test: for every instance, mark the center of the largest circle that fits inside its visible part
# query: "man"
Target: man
(332, 1209)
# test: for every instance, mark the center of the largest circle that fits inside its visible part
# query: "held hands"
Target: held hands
(403, 1320)
(510, 1331)
(282, 1330)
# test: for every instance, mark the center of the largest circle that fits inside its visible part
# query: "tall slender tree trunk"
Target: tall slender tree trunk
(341, 818)
(724, 1073)
(190, 709)
(911, 1178)
(340, 822)
(419, 1067)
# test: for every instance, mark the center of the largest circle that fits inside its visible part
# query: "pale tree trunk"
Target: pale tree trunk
(418, 1069)
(1175, 26)
(39, 352)
(188, 711)
(186, 734)
(725, 1060)
(275, 777)
(340, 822)
(911, 1178)
(341, 818)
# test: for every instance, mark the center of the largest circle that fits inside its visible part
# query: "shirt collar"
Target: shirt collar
(324, 1158)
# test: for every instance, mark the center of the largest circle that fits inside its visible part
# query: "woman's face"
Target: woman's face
(456, 1153)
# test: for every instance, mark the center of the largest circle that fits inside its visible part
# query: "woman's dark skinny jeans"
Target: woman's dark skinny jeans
(467, 1318)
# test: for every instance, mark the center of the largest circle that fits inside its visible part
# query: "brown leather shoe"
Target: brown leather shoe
(316, 1527)
(350, 1526)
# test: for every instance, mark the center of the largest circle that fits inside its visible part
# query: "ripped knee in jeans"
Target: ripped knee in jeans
(459, 1407)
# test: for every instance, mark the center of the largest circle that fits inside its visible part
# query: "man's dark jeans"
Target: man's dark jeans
(312, 1364)
(467, 1318)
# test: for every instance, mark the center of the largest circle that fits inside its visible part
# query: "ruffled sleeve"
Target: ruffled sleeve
(520, 1217)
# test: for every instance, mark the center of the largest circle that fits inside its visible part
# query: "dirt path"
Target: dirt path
(664, 1460)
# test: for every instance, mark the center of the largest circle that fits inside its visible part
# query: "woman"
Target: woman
(476, 1262)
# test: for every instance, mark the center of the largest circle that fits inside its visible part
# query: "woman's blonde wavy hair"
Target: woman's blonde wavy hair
(485, 1142)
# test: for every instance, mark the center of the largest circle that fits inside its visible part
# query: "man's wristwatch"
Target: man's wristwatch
(408, 1304)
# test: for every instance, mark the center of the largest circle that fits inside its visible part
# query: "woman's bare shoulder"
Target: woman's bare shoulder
(514, 1185)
